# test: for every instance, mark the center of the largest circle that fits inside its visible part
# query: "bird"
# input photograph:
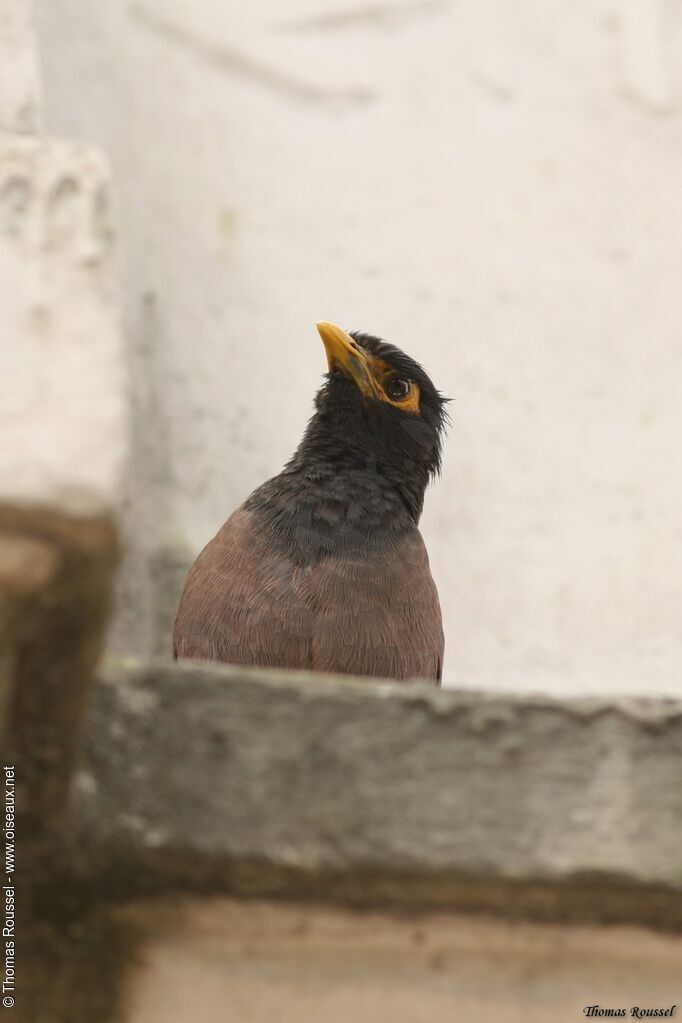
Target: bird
(323, 567)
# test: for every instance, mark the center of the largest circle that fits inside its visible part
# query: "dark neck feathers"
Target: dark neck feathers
(356, 481)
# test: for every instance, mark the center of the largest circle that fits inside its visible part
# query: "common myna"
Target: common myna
(323, 567)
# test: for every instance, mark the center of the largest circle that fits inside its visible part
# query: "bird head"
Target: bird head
(380, 403)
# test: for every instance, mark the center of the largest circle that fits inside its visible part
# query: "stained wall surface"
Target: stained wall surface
(222, 962)
(493, 187)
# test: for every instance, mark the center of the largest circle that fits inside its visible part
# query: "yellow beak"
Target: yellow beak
(345, 354)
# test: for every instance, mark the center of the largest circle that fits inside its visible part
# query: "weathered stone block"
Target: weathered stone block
(256, 782)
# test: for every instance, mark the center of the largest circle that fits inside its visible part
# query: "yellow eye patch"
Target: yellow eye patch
(390, 385)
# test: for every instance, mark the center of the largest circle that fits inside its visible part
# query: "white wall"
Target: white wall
(495, 187)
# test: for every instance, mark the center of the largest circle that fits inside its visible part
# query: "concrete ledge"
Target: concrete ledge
(271, 783)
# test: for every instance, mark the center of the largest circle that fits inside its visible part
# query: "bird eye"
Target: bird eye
(397, 388)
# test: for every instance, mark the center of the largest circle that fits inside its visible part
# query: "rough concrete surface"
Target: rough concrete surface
(62, 414)
(226, 962)
(493, 186)
(274, 783)
(56, 577)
